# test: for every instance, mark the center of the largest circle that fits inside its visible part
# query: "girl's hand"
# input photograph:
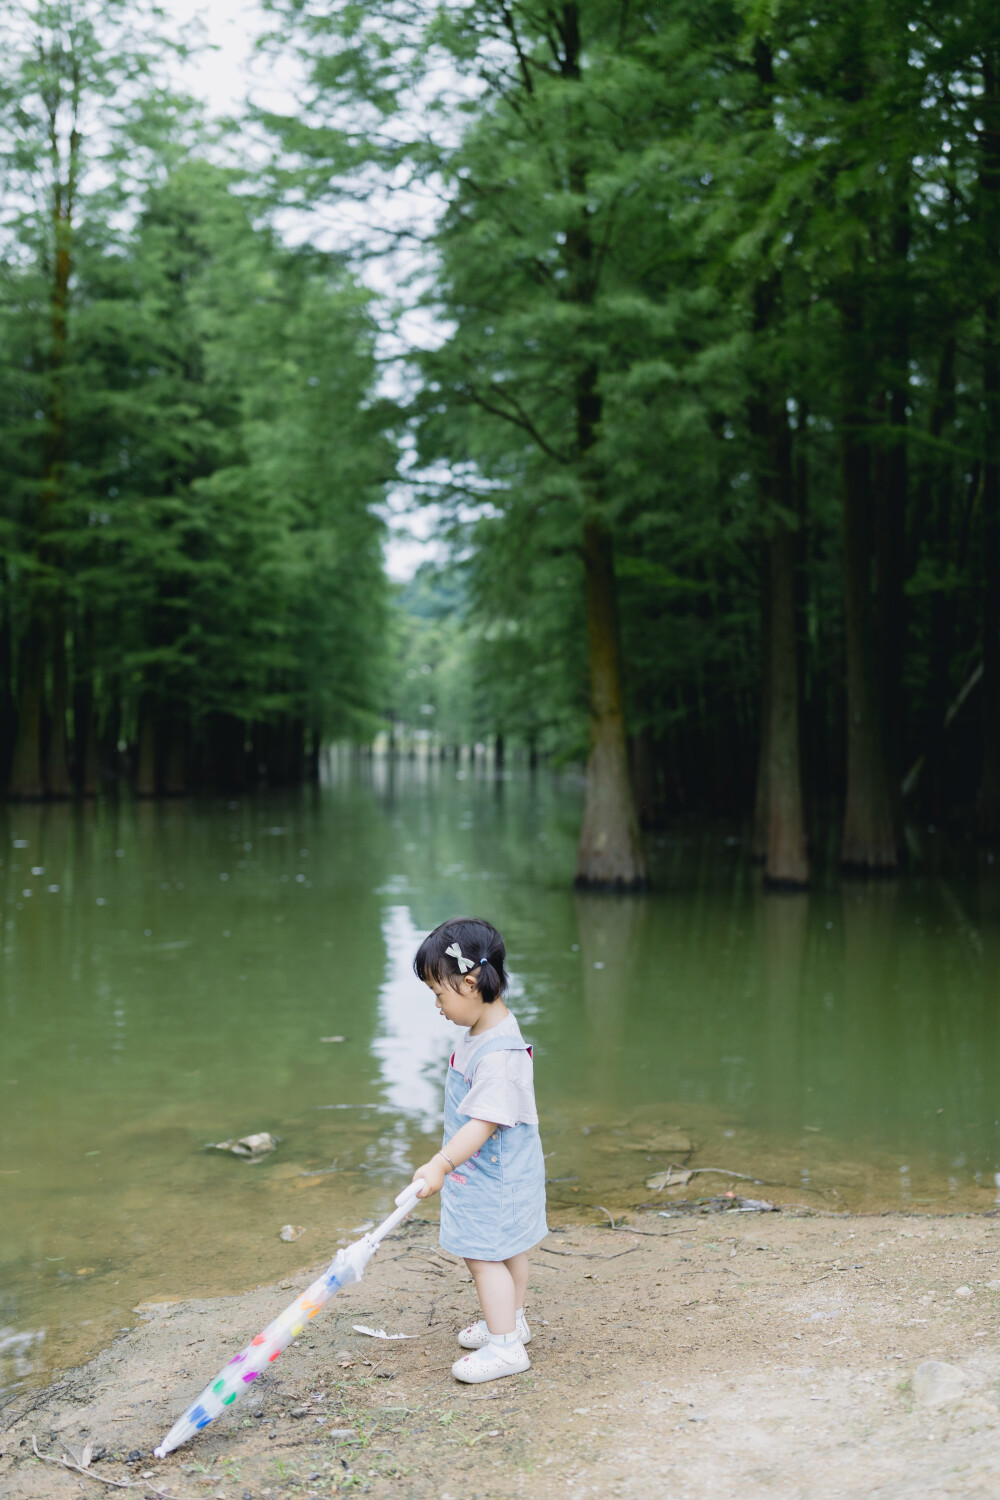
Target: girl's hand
(434, 1173)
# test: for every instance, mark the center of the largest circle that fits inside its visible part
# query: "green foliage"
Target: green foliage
(193, 454)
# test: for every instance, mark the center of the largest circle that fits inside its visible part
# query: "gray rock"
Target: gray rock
(935, 1382)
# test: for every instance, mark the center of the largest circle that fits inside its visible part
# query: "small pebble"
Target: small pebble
(963, 1291)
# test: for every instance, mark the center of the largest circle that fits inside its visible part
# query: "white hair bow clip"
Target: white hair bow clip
(456, 953)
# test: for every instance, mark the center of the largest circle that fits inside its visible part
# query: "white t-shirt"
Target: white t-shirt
(503, 1085)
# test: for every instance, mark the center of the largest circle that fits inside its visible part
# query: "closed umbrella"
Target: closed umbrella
(347, 1266)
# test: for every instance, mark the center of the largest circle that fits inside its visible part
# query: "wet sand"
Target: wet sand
(717, 1354)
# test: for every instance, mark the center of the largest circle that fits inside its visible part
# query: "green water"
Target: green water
(168, 971)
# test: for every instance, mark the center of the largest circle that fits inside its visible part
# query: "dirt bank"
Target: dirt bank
(719, 1355)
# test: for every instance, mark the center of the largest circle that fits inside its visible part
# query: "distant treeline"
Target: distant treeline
(191, 582)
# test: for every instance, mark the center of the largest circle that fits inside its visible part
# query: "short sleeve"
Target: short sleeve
(503, 1090)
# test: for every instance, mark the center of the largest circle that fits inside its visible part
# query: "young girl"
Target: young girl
(489, 1171)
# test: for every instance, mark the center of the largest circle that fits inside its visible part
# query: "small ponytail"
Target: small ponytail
(447, 953)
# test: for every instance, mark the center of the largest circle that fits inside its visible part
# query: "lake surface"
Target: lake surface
(169, 971)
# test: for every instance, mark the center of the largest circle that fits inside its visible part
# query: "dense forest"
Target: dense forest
(191, 445)
(707, 404)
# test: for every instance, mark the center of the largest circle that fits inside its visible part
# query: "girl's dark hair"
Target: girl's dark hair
(478, 941)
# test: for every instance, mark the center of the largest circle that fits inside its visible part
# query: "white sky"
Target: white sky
(224, 77)
(227, 74)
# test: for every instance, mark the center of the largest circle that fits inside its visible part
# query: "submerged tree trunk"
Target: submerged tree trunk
(610, 854)
(869, 841)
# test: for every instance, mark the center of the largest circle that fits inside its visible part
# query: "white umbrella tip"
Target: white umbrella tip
(161, 1451)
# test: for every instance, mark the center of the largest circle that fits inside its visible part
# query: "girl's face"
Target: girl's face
(463, 1005)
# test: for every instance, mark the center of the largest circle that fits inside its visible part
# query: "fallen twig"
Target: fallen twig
(590, 1254)
(725, 1172)
(117, 1484)
(651, 1234)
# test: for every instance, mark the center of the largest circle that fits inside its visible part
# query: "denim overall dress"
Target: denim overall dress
(493, 1205)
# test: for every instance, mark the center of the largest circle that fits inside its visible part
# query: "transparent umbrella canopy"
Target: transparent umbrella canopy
(347, 1266)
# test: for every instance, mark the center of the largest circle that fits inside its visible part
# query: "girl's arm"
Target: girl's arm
(463, 1144)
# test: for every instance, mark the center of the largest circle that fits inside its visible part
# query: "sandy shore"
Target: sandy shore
(724, 1354)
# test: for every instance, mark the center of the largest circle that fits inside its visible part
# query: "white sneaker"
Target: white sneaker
(491, 1364)
(477, 1334)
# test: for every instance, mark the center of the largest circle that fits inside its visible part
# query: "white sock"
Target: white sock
(502, 1343)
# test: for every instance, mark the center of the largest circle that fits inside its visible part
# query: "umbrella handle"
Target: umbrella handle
(405, 1204)
(411, 1190)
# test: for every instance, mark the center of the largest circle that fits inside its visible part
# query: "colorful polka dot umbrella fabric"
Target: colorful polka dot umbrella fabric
(347, 1266)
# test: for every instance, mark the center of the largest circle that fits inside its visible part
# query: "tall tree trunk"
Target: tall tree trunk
(175, 775)
(26, 766)
(644, 777)
(145, 770)
(45, 629)
(56, 772)
(84, 712)
(989, 786)
(937, 490)
(787, 853)
(780, 809)
(315, 754)
(610, 854)
(890, 525)
(87, 769)
(869, 840)
(7, 712)
(758, 842)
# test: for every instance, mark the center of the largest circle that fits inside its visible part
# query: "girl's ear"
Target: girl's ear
(470, 983)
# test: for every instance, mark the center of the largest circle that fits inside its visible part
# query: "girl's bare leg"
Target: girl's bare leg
(518, 1268)
(495, 1286)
